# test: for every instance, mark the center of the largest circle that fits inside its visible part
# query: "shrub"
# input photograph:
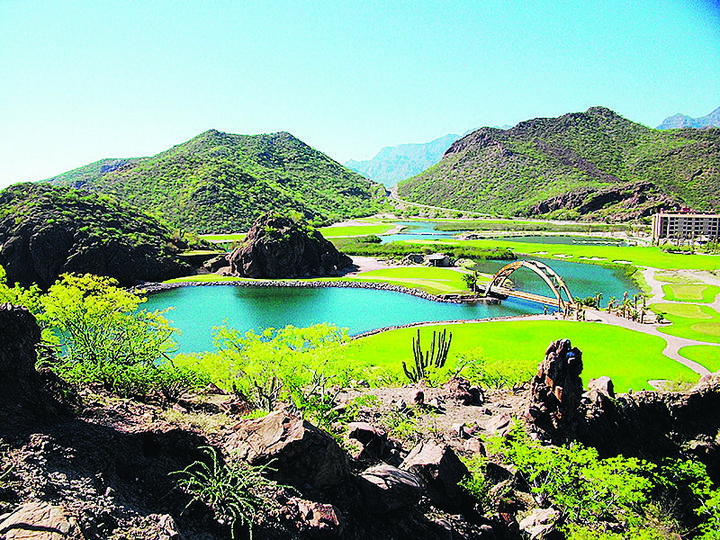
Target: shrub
(231, 490)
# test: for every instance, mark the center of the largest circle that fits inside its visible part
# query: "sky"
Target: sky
(86, 80)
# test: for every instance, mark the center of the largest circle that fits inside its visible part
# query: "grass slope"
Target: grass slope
(701, 323)
(705, 355)
(629, 358)
(637, 255)
(684, 292)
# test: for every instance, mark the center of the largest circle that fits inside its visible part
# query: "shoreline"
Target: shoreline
(156, 287)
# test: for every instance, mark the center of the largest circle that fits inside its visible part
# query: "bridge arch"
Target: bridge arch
(548, 275)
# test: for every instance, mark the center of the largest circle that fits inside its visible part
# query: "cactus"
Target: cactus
(436, 356)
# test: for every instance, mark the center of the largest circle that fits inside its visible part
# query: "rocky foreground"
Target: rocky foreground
(89, 466)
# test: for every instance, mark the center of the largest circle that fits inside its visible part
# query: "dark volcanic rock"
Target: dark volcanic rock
(46, 231)
(639, 199)
(556, 390)
(26, 395)
(19, 335)
(300, 452)
(656, 424)
(441, 471)
(279, 247)
(387, 488)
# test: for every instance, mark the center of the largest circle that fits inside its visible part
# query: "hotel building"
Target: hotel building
(685, 226)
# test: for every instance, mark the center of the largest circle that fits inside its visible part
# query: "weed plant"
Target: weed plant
(232, 490)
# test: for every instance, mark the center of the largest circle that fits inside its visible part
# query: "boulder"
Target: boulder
(440, 470)
(216, 263)
(603, 385)
(540, 523)
(373, 441)
(19, 335)
(300, 452)
(40, 521)
(556, 391)
(280, 247)
(501, 424)
(386, 488)
(461, 391)
(313, 518)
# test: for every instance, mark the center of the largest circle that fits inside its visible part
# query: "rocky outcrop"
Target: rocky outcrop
(556, 390)
(639, 199)
(40, 521)
(19, 335)
(654, 424)
(440, 470)
(644, 424)
(386, 488)
(46, 231)
(279, 247)
(300, 452)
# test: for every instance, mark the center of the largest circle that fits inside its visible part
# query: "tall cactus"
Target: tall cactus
(436, 356)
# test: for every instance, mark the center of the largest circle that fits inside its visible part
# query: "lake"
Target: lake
(200, 308)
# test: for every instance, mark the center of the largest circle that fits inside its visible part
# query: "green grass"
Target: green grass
(223, 237)
(637, 255)
(355, 230)
(705, 355)
(674, 277)
(630, 358)
(690, 321)
(429, 279)
(679, 292)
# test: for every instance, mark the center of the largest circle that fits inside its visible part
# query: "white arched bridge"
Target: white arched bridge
(548, 275)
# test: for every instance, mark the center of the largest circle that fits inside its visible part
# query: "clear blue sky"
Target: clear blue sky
(84, 80)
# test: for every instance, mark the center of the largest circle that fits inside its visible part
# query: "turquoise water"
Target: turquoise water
(198, 309)
(582, 279)
(418, 231)
(422, 231)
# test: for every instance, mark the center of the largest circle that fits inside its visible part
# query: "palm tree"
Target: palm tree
(611, 304)
(598, 297)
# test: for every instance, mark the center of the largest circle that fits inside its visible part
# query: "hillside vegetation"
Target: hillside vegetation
(48, 230)
(219, 182)
(592, 164)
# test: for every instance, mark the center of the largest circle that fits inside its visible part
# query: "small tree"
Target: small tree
(471, 281)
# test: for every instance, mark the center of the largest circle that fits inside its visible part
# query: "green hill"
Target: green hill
(47, 230)
(219, 182)
(592, 164)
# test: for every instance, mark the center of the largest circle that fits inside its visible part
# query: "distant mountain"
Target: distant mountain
(683, 121)
(395, 163)
(595, 163)
(48, 230)
(220, 182)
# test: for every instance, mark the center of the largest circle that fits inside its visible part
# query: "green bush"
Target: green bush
(233, 490)
(305, 366)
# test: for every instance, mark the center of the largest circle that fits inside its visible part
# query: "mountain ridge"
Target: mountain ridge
(679, 120)
(623, 169)
(395, 163)
(222, 182)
